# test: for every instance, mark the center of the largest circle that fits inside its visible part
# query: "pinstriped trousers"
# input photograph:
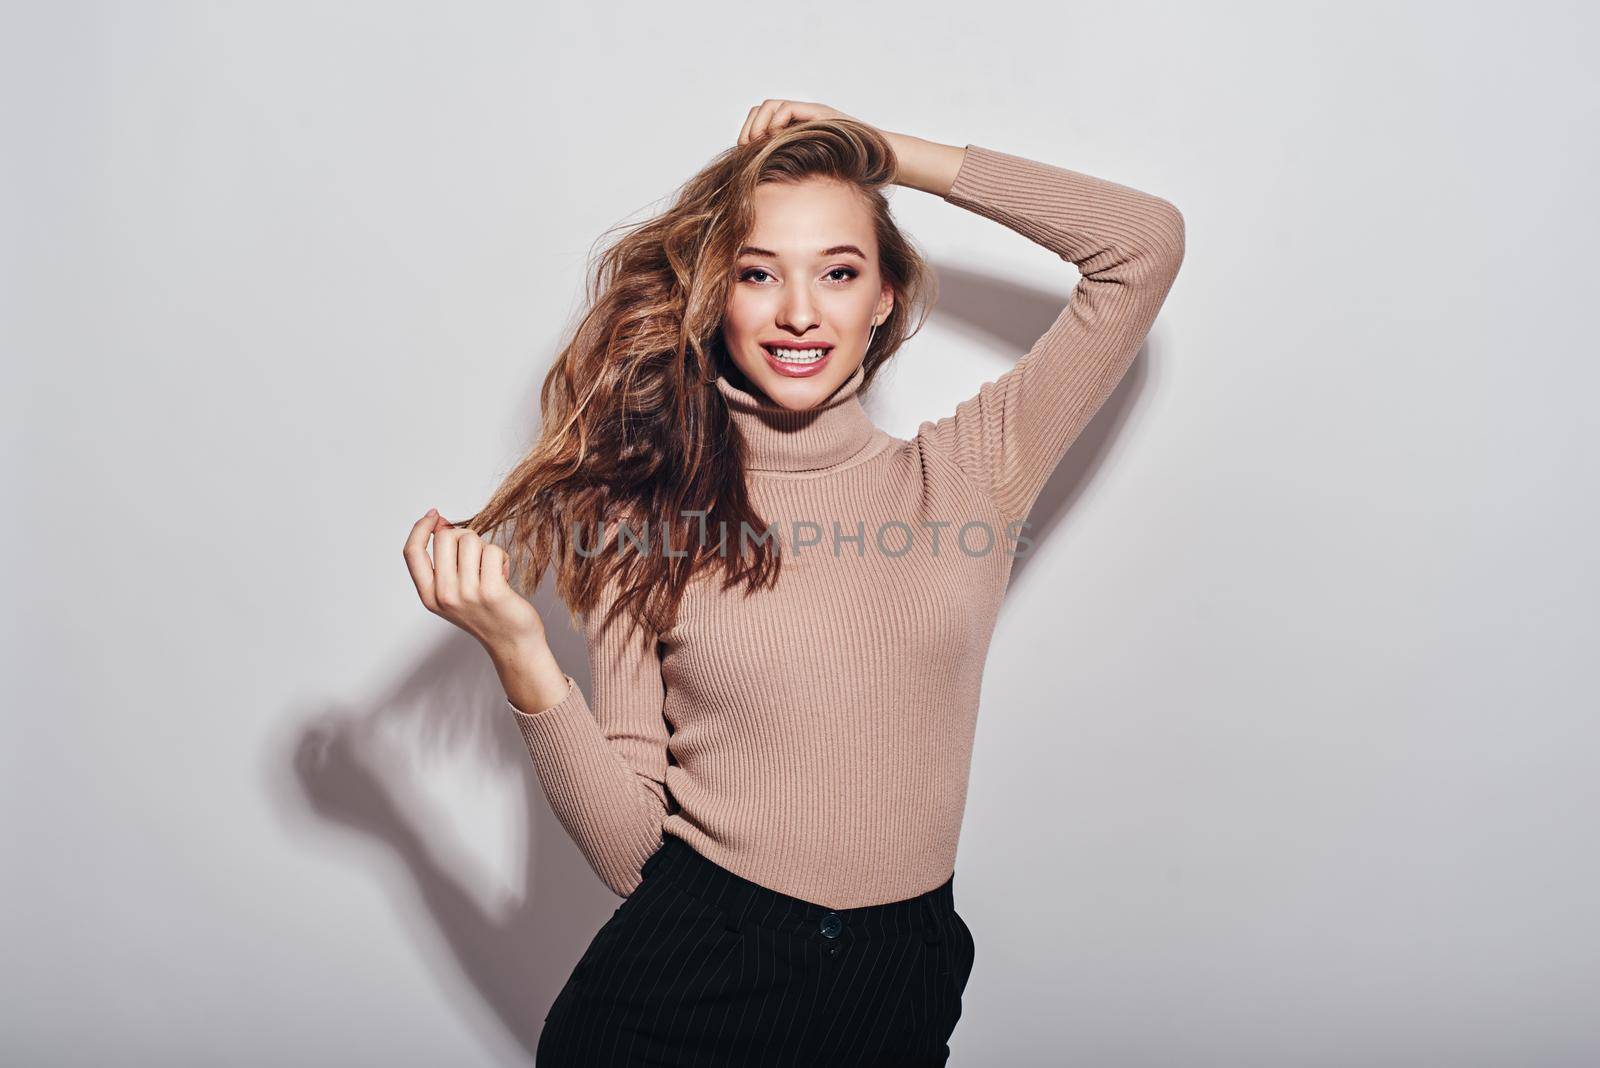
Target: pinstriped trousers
(702, 967)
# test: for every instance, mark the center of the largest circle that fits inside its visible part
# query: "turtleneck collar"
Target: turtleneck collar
(777, 439)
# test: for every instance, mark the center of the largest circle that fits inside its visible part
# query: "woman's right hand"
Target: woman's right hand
(466, 581)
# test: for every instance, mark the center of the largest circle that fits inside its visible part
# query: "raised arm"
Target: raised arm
(604, 767)
(1127, 246)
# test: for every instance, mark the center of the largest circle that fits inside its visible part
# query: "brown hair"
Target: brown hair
(633, 428)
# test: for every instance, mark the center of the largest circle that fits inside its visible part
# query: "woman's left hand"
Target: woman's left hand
(919, 164)
(772, 115)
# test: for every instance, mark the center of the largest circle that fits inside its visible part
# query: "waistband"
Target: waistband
(743, 901)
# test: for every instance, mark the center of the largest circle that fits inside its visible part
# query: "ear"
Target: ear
(885, 304)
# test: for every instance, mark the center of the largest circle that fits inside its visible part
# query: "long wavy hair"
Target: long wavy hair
(634, 431)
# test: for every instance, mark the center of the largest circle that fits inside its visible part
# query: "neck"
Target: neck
(778, 439)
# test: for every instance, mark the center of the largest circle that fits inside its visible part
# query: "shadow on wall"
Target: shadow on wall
(346, 769)
(351, 771)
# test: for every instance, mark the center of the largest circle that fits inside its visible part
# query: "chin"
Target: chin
(798, 395)
(800, 391)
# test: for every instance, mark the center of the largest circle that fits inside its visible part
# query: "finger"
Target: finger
(495, 573)
(755, 121)
(446, 583)
(749, 117)
(469, 553)
(758, 129)
(782, 115)
(418, 563)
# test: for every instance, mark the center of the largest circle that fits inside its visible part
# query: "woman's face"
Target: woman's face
(805, 291)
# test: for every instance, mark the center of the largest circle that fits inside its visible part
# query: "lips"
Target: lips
(797, 346)
(797, 360)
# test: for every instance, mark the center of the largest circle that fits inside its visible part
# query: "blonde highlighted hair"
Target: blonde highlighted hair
(633, 427)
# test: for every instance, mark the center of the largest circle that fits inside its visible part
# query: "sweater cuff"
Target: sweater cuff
(560, 710)
(981, 170)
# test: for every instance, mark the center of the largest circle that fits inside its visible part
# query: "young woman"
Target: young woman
(787, 609)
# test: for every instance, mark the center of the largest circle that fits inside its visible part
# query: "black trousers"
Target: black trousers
(700, 966)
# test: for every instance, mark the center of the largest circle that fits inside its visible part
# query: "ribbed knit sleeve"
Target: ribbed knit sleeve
(604, 766)
(1127, 246)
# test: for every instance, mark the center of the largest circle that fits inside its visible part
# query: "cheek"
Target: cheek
(742, 316)
(852, 306)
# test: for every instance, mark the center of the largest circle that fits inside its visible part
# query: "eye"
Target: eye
(849, 273)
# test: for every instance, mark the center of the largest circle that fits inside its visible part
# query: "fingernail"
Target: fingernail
(430, 511)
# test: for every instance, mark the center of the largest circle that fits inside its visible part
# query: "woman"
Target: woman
(773, 769)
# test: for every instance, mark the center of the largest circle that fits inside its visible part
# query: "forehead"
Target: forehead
(800, 219)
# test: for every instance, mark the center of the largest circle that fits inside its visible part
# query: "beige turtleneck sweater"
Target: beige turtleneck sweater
(816, 737)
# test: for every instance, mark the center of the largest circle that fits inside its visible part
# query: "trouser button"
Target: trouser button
(832, 925)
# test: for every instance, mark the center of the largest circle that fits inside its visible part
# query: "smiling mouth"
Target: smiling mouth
(798, 357)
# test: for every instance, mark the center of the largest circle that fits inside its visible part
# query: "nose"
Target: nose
(797, 313)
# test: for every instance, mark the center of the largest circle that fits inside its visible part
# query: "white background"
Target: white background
(1287, 747)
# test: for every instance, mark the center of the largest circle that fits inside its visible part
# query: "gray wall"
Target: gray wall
(1286, 753)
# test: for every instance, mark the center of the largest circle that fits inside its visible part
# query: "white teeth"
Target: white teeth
(798, 355)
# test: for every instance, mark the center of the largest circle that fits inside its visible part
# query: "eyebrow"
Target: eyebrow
(836, 250)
